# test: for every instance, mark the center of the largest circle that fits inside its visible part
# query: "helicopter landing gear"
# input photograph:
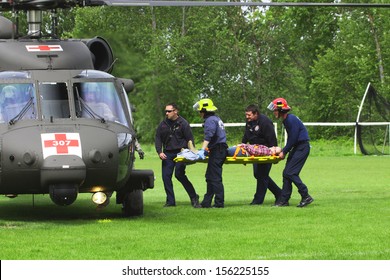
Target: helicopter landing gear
(133, 203)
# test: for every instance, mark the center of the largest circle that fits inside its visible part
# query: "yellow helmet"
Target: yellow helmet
(205, 105)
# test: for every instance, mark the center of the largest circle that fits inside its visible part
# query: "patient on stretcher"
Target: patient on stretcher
(249, 150)
(240, 150)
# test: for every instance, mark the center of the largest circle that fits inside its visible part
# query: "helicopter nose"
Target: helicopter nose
(64, 169)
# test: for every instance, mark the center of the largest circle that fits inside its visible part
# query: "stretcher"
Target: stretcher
(236, 160)
(234, 157)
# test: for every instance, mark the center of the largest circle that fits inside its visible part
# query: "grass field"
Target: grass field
(349, 219)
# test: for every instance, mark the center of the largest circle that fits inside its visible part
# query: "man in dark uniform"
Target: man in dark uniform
(259, 129)
(172, 135)
(298, 148)
(215, 142)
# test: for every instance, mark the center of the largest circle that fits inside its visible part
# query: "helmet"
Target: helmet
(205, 105)
(279, 104)
(8, 94)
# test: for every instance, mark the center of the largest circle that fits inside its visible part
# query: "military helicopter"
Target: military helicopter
(66, 124)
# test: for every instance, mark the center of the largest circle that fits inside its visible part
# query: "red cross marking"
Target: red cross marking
(61, 143)
(43, 48)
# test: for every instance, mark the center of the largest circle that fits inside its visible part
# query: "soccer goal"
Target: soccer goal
(373, 124)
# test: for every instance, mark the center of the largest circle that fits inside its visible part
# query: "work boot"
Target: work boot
(169, 205)
(281, 204)
(254, 202)
(195, 202)
(305, 201)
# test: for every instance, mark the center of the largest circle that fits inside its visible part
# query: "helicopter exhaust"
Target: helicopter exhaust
(101, 52)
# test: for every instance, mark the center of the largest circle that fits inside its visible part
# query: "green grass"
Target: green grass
(349, 219)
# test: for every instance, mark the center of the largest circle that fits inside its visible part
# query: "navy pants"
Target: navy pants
(215, 186)
(168, 166)
(264, 182)
(295, 162)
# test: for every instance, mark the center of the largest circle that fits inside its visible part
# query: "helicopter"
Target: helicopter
(66, 124)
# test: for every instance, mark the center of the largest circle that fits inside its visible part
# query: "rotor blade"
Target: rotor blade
(163, 3)
(7, 5)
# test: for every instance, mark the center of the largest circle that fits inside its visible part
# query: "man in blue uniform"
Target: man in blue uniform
(298, 148)
(259, 129)
(173, 134)
(215, 142)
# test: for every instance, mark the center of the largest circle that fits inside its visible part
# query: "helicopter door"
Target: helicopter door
(54, 100)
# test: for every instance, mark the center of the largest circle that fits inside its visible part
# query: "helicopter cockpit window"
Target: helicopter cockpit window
(15, 75)
(99, 100)
(17, 101)
(54, 100)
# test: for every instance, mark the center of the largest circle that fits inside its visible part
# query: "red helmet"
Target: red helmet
(279, 104)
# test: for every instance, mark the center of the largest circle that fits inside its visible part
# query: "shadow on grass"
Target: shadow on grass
(47, 211)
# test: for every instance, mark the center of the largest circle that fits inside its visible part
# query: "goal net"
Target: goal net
(373, 123)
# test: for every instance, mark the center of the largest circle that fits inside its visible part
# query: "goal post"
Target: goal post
(356, 125)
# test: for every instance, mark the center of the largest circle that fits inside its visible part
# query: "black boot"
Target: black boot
(305, 201)
(195, 202)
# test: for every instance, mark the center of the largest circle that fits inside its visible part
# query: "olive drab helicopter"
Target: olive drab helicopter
(66, 124)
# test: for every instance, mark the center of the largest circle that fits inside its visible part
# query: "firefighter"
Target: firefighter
(297, 147)
(259, 129)
(215, 142)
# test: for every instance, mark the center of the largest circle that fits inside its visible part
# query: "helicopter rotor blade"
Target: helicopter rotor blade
(7, 5)
(167, 3)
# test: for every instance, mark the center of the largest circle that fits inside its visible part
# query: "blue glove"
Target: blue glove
(201, 154)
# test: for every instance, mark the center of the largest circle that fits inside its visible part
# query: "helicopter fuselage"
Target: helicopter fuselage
(59, 138)
(66, 124)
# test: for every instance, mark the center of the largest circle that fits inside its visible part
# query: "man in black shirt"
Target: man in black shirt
(259, 129)
(173, 134)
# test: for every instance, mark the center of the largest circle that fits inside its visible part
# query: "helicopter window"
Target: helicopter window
(15, 75)
(94, 74)
(54, 100)
(17, 101)
(99, 100)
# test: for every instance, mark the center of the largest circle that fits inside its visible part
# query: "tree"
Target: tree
(320, 59)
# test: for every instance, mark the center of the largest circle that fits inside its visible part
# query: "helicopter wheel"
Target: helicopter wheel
(133, 203)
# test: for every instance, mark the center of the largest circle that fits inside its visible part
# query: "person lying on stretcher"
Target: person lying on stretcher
(248, 150)
(240, 150)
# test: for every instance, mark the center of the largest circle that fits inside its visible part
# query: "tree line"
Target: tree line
(319, 58)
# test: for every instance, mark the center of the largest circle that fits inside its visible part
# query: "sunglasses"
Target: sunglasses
(169, 111)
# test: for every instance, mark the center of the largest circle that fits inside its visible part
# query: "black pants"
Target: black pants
(264, 182)
(168, 165)
(295, 162)
(215, 186)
